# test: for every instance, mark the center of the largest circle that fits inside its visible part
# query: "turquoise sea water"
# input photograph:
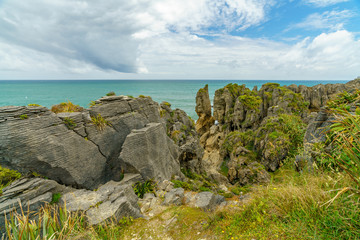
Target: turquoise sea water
(180, 93)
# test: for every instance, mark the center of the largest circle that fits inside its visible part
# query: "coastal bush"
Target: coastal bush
(250, 101)
(100, 122)
(286, 128)
(140, 188)
(66, 107)
(110, 94)
(346, 141)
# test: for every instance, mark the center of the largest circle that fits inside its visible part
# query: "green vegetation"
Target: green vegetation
(55, 198)
(140, 188)
(7, 176)
(54, 222)
(236, 138)
(285, 131)
(34, 105)
(69, 123)
(250, 102)
(100, 122)
(143, 96)
(110, 94)
(92, 103)
(23, 117)
(66, 107)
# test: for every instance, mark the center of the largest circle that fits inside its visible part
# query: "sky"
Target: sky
(173, 39)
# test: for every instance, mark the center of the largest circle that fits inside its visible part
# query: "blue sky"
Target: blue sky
(171, 39)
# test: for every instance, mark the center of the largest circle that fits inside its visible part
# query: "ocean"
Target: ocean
(180, 93)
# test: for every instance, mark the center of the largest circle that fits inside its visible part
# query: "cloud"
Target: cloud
(327, 56)
(329, 20)
(105, 35)
(324, 3)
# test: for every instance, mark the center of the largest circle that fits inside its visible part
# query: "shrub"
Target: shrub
(345, 134)
(140, 188)
(66, 107)
(111, 93)
(100, 122)
(23, 117)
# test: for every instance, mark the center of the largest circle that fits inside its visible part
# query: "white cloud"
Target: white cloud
(324, 3)
(160, 39)
(327, 56)
(329, 20)
(106, 34)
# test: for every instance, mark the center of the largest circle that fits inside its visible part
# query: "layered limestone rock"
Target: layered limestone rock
(112, 201)
(203, 110)
(181, 129)
(150, 152)
(318, 95)
(82, 149)
(33, 139)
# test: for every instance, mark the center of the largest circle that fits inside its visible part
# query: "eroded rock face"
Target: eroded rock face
(75, 150)
(203, 110)
(181, 129)
(150, 152)
(318, 95)
(112, 201)
(33, 139)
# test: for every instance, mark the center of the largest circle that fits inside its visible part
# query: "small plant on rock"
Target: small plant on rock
(111, 93)
(23, 117)
(55, 198)
(140, 188)
(69, 123)
(66, 107)
(100, 122)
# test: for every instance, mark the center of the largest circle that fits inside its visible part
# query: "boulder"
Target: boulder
(175, 197)
(150, 152)
(112, 201)
(208, 201)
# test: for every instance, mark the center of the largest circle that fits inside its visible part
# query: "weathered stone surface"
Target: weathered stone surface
(42, 143)
(181, 129)
(203, 110)
(174, 197)
(318, 95)
(150, 152)
(113, 200)
(72, 150)
(208, 201)
(27, 195)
